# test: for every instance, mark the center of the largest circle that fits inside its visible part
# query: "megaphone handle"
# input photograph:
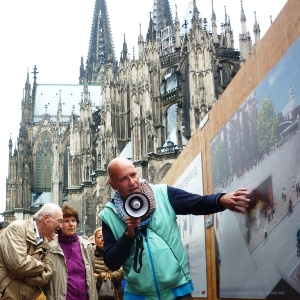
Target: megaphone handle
(139, 247)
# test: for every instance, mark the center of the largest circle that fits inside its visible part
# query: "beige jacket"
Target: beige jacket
(56, 289)
(20, 255)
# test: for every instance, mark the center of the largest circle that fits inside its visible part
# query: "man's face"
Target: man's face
(125, 180)
(55, 221)
(69, 226)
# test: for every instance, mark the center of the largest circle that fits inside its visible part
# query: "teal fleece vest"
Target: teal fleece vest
(165, 265)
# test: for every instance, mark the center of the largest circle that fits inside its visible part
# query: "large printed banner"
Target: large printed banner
(192, 228)
(259, 148)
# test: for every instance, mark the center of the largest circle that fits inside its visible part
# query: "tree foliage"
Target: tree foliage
(220, 163)
(267, 125)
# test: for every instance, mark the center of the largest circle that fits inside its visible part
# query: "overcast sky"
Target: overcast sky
(53, 35)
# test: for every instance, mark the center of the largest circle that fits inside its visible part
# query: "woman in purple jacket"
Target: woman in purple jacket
(73, 263)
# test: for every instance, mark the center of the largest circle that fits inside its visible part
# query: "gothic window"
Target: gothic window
(172, 122)
(43, 164)
(169, 82)
(87, 173)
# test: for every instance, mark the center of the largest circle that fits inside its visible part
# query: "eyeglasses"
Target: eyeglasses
(59, 221)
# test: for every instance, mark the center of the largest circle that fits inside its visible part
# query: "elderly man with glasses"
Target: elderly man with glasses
(24, 254)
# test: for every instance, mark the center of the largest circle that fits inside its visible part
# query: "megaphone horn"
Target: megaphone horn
(136, 205)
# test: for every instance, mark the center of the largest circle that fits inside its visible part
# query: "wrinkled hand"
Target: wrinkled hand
(131, 224)
(233, 201)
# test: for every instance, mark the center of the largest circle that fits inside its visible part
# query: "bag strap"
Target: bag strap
(138, 248)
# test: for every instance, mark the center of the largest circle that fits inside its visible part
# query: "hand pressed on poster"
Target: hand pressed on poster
(234, 200)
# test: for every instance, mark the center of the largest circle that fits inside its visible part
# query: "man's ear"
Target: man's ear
(111, 184)
(46, 218)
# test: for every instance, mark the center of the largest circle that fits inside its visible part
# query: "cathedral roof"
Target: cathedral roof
(48, 97)
(44, 198)
(127, 151)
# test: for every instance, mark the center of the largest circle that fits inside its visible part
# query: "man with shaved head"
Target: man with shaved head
(24, 254)
(153, 241)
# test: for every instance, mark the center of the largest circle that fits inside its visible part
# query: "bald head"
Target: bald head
(116, 164)
(123, 176)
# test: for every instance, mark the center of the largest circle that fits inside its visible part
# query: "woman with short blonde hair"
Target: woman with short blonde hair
(102, 271)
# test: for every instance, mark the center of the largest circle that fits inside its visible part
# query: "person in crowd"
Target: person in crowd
(3, 225)
(102, 271)
(73, 262)
(92, 241)
(25, 263)
(150, 248)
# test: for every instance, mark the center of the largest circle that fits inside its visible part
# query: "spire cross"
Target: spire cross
(34, 72)
(185, 24)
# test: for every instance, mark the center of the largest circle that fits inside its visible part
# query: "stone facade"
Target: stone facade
(144, 108)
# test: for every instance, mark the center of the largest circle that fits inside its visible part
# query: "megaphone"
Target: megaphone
(136, 205)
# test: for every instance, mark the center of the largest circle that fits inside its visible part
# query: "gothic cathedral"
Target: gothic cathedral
(144, 107)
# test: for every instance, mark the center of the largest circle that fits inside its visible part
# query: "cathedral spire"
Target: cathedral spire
(35, 72)
(10, 145)
(245, 38)
(141, 43)
(177, 29)
(243, 19)
(256, 30)
(27, 88)
(227, 40)
(27, 104)
(213, 14)
(226, 20)
(101, 49)
(195, 20)
(162, 15)
(81, 70)
(124, 53)
(214, 24)
(59, 109)
(151, 35)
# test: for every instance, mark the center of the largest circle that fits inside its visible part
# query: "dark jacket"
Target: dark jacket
(102, 270)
